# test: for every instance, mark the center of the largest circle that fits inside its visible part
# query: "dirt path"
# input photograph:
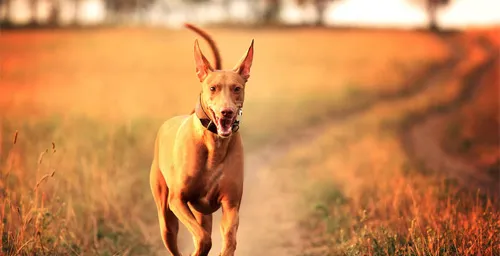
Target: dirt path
(422, 135)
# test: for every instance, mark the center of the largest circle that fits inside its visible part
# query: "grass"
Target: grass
(366, 197)
(84, 206)
(30, 222)
(100, 96)
(156, 78)
(380, 205)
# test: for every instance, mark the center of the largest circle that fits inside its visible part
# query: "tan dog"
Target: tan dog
(198, 159)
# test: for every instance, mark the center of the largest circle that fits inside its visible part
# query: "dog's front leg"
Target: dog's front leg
(229, 228)
(201, 238)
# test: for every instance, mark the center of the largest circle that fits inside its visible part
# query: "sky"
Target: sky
(403, 13)
(363, 13)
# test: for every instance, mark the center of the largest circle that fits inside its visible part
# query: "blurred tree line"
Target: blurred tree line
(270, 14)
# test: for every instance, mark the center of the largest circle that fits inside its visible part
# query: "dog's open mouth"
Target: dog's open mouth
(224, 126)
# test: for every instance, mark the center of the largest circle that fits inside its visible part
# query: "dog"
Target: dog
(198, 158)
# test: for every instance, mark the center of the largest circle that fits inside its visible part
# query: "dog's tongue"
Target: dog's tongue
(224, 127)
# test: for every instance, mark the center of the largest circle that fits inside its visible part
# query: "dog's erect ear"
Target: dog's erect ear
(203, 67)
(243, 68)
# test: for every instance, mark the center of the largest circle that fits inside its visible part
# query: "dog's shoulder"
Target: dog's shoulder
(173, 124)
(167, 134)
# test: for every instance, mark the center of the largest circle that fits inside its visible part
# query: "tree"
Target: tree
(34, 12)
(127, 5)
(272, 11)
(320, 7)
(76, 6)
(55, 12)
(6, 4)
(432, 6)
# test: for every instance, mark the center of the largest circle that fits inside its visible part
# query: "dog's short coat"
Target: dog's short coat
(198, 158)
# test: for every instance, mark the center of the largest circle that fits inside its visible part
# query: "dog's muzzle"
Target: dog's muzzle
(226, 125)
(223, 126)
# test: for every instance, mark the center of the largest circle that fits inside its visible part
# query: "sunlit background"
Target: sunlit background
(371, 127)
(380, 13)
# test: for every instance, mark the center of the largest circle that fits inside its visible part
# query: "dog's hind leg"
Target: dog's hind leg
(169, 224)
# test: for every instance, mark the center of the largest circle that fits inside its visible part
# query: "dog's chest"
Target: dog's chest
(205, 190)
(210, 178)
(213, 166)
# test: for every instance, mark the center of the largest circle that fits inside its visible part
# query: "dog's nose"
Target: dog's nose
(227, 112)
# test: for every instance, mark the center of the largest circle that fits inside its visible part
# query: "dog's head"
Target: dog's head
(223, 91)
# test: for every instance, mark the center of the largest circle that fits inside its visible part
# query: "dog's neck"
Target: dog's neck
(217, 146)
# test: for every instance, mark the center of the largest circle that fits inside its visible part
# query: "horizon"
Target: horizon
(357, 13)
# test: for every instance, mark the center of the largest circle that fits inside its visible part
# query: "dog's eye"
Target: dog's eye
(212, 88)
(237, 89)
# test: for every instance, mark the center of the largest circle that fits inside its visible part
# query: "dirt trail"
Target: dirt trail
(421, 138)
(268, 219)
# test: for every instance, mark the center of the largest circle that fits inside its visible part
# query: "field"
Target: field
(358, 142)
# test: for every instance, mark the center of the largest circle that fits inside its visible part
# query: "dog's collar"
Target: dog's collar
(207, 122)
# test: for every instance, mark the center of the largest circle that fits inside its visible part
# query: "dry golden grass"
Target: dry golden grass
(150, 72)
(100, 95)
(380, 205)
(374, 201)
(30, 220)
